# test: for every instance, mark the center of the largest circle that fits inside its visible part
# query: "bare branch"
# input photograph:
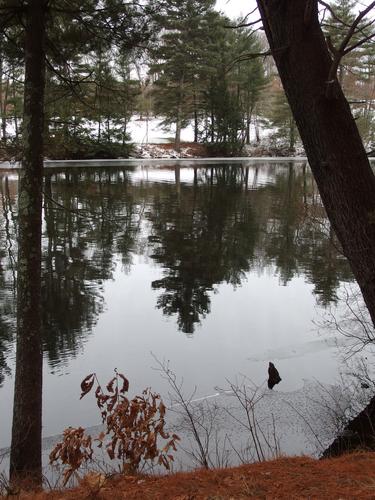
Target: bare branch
(255, 55)
(359, 43)
(333, 13)
(340, 52)
(244, 25)
(354, 25)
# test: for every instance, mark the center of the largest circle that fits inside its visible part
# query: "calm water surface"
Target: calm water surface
(218, 269)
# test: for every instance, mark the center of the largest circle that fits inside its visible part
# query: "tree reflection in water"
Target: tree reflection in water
(202, 235)
(7, 276)
(217, 227)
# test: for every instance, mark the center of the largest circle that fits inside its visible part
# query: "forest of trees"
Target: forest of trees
(73, 74)
(181, 62)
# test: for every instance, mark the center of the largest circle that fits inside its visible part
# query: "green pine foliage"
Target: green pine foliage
(178, 60)
(201, 75)
(356, 70)
(281, 118)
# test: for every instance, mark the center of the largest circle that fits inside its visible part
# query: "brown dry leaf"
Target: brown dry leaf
(86, 384)
(110, 384)
(125, 385)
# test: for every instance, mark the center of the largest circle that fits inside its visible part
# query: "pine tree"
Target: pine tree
(356, 71)
(178, 60)
(247, 76)
(281, 117)
(336, 27)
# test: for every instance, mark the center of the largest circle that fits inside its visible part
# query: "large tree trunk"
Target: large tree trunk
(333, 145)
(25, 459)
(358, 434)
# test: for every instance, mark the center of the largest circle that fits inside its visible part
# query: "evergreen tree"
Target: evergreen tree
(356, 70)
(336, 28)
(281, 118)
(223, 121)
(247, 76)
(124, 24)
(177, 61)
(197, 79)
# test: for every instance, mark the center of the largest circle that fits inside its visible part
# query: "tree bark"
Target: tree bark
(331, 139)
(358, 434)
(14, 95)
(196, 123)
(1, 85)
(25, 458)
(4, 111)
(177, 137)
(248, 125)
(292, 137)
(3, 100)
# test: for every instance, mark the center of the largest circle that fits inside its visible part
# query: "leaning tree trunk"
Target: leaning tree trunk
(358, 434)
(25, 458)
(331, 139)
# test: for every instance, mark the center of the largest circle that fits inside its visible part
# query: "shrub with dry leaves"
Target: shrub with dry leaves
(133, 429)
(74, 450)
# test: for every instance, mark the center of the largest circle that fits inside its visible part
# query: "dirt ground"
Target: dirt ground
(348, 477)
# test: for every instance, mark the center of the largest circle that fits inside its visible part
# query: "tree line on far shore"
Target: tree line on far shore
(182, 62)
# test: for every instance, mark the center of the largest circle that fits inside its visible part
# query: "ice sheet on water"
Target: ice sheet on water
(302, 422)
(297, 350)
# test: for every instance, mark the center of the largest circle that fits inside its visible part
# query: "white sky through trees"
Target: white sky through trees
(235, 8)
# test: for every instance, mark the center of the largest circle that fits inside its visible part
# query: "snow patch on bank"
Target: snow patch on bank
(147, 151)
(152, 131)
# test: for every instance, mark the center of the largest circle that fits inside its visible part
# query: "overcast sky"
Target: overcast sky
(235, 8)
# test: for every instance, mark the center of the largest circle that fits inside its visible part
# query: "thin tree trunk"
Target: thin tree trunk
(25, 458)
(196, 124)
(257, 132)
(99, 120)
(4, 111)
(331, 139)
(14, 95)
(248, 125)
(1, 85)
(177, 139)
(196, 128)
(212, 126)
(124, 127)
(292, 135)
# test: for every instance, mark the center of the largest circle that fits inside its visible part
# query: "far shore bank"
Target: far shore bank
(118, 162)
(10, 165)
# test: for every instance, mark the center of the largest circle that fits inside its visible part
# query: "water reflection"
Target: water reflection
(7, 273)
(201, 235)
(299, 239)
(200, 227)
(89, 217)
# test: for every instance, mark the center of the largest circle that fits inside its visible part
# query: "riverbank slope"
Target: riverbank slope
(349, 476)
